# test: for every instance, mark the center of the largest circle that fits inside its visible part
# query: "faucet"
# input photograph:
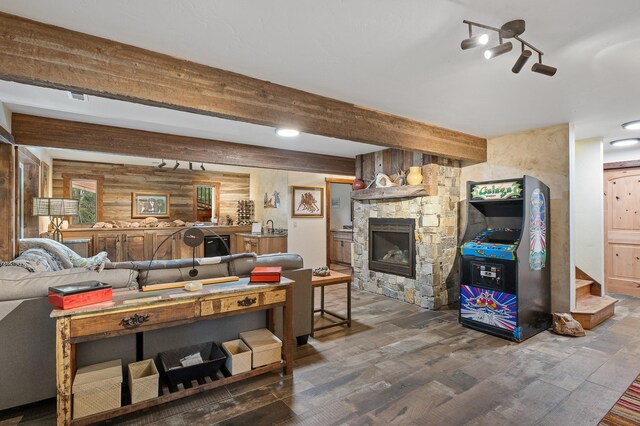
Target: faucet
(271, 230)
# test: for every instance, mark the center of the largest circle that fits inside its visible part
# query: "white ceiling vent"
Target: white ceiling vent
(78, 96)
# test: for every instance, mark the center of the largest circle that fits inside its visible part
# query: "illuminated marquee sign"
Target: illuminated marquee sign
(496, 191)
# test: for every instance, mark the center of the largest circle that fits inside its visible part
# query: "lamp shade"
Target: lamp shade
(55, 207)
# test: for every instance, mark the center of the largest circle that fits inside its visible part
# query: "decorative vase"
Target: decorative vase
(358, 184)
(415, 176)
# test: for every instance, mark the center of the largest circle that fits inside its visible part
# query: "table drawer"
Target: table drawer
(243, 301)
(130, 320)
(277, 296)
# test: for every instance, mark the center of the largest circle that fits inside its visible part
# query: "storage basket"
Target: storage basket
(238, 357)
(170, 362)
(265, 346)
(143, 380)
(97, 388)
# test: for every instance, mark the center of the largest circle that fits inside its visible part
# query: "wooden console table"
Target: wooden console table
(135, 312)
(333, 279)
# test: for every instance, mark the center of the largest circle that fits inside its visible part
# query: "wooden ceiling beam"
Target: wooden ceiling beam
(45, 55)
(53, 133)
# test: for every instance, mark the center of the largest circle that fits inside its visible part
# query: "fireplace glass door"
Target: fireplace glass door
(392, 246)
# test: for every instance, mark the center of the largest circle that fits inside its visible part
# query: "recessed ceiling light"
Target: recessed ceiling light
(287, 133)
(624, 142)
(632, 125)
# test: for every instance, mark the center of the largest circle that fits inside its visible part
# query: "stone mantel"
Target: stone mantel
(405, 191)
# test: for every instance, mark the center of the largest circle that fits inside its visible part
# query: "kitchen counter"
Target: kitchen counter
(261, 234)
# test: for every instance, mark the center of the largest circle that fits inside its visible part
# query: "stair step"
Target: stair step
(593, 304)
(593, 310)
(583, 288)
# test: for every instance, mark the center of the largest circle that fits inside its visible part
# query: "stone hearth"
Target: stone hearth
(436, 233)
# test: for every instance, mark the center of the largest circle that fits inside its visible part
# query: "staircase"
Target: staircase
(592, 307)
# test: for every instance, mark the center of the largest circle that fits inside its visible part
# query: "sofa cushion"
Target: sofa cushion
(171, 275)
(243, 266)
(16, 283)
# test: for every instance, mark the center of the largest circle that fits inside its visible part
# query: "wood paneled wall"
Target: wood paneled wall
(121, 180)
(7, 196)
(391, 161)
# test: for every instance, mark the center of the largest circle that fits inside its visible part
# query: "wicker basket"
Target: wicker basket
(97, 388)
(238, 357)
(265, 346)
(143, 380)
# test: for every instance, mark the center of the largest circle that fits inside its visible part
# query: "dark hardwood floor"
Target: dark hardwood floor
(400, 364)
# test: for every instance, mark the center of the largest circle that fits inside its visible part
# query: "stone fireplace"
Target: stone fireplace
(392, 246)
(417, 270)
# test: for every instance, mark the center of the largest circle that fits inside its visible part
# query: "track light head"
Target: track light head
(202, 167)
(190, 165)
(177, 165)
(162, 164)
(522, 59)
(498, 50)
(543, 69)
(474, 41)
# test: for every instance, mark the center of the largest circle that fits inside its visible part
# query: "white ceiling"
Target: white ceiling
(401, 57)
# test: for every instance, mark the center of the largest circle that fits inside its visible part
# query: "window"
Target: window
(206, 202)
(86, 192)
(87, 189)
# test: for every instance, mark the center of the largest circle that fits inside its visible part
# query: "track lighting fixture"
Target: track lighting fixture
(177, 165)
(202, 167)
(512, 29)
(162, 164)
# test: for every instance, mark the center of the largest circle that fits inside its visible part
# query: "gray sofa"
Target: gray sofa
(27, 355)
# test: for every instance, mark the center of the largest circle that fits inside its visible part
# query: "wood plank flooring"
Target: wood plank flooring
(402, 365)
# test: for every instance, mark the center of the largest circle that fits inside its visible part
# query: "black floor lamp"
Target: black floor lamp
(56, 209)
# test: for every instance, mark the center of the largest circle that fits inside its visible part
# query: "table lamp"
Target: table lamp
(56, 209)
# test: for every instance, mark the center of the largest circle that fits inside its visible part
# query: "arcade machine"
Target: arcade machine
(504, 270)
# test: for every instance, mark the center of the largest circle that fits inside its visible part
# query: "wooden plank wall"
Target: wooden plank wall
(121, 180)
(390, 161)
(7, 195)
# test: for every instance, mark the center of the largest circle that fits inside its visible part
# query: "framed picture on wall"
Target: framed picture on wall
(307, 201)
(45, 188)
(146, 204)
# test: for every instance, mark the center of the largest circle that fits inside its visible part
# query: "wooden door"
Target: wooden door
(134, 248)
(109, 242)
(622, 231)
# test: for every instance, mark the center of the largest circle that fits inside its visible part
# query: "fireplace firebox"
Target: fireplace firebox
(392, 246)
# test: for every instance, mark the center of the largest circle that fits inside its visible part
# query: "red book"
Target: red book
(80, 294)
(266, 274)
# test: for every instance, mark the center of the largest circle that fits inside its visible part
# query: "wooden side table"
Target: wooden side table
(133, 312)
(333, 279)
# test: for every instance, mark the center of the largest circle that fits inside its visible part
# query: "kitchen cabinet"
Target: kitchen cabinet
(262, 243)
(340, 247)
(140, 244)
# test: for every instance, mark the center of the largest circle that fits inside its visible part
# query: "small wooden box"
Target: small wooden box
(238, 356)
(265, 346)
(97, 388)
(143, 380)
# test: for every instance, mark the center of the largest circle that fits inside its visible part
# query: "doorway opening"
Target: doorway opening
(339, 223)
